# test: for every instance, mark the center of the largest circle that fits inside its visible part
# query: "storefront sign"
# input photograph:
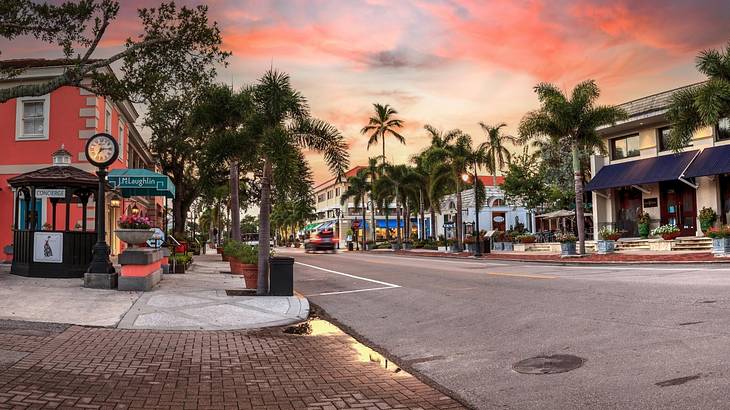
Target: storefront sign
(50, 193)
(48, 247)
(651, 202)
(499, 219)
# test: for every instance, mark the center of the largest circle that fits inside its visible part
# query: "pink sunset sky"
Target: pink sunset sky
(450, 63)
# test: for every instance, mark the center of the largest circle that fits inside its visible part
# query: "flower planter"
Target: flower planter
(134, 237)
(471, 247)
(454, 248)
(250, 275)
(670, 236)
(407, 246)
(225, 257)
(721, 246)
(298, 245)
(567, 249)
(179, 268)
(219, 250)
(605, 246)
(441, 248)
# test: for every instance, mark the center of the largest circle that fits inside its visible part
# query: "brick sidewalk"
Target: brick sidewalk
(112, 368)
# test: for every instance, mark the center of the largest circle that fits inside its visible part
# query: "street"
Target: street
(649, 336)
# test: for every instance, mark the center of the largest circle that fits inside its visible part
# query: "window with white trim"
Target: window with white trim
(121, 140)
(108, 117)
(31, 117)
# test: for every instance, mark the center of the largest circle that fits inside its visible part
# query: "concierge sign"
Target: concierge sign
(48, 247)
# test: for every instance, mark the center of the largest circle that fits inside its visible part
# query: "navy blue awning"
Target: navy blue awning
(643, 171)
(711, 161)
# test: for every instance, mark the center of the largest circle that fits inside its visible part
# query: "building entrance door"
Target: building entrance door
(725, 195)
(679, 207)
(628, 210)
(499, 222)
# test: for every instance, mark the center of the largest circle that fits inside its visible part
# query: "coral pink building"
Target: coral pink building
(33, 128)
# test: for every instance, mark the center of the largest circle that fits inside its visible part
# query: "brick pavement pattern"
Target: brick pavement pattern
(618, 257)
(80, 367)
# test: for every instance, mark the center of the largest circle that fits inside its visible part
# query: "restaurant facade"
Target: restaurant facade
(640, 173)
(32, 129)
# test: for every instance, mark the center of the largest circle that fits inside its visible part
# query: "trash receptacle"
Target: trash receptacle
(281, 276)
(486, 245)
(350, 246)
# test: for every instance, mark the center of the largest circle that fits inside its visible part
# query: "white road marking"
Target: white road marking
(352, 291)
(348, 275)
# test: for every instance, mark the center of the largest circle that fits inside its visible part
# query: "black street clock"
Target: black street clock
(102, 150)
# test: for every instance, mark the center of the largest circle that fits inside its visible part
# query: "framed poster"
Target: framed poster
(651, 202)
(48, 247)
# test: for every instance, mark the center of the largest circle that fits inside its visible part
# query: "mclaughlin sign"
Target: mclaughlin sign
(138, 182)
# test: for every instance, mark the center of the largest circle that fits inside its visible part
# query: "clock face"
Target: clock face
(101, 149)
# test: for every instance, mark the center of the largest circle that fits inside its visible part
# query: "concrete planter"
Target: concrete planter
(454, 248)
(721, 246)
(441, 249)
(471, 247)
(134, 236)
(407, 246)
(395, 246)
(504, 246)
(661, 245)
(605, 246)
(567, 249)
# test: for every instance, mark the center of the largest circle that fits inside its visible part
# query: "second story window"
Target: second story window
(329, 194)
(723, 129)
(108, 118)
(121, 140)
(625, 147)
(664, 134)
(337, 192)
(32, 118)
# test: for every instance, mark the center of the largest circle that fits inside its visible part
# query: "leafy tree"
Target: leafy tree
(524, 183)
(496, 149)
(358, 187)
(177, 46)
(382, 124)
(572, 121)
(702, 105)
(281, 120)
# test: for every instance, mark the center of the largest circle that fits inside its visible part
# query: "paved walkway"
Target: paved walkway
(62, 367)
(196, 300)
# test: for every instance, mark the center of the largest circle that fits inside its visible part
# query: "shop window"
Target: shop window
(32, 118)
(121, 140)
(722, 130)
(108, 117)
(625, 147)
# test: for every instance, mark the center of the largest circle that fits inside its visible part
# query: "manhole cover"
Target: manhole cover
(558, 363)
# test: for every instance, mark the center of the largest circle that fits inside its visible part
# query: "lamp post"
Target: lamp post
(339, 226)
(478, 250)
(114, 203)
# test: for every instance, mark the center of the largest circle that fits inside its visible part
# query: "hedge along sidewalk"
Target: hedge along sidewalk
(632, 258)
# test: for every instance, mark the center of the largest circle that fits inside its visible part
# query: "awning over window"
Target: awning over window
(643, 171)
(711, 161)
(141, 182)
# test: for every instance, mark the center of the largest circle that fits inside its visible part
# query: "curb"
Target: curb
(566, 263)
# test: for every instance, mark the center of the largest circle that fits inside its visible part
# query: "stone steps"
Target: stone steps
(693, 244)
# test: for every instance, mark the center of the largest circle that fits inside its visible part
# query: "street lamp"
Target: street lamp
(135, 210)
(465, 177)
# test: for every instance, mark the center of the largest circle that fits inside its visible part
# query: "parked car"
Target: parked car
(321, 241)
(252, 239)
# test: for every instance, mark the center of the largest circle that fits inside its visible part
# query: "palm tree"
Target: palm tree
(495, 147)
(397, 178)
(434, 192)
(702, 105)
(373, 170)
(573, 122)
(358, 187)
(380, 125)
(281, 127)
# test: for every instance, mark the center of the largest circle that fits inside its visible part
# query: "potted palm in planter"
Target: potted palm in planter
(134, 230)
(407, 244)
(471, 243)
(567, 244)
(244, 261)
(720, 240)
(644, 221)
(707, 218)
(667, 232)
(608, 236)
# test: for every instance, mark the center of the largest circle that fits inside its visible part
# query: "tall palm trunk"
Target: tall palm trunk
(262, 286)
(397, 217)
(433, 222)
(458, 214)
(235, 207)
(422, 221)
(494, 173)
(387, 225)
(372, 216)
(364, 230)
(406, 221)
(580, 219)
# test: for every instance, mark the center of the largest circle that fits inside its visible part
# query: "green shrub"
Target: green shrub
(242, 252)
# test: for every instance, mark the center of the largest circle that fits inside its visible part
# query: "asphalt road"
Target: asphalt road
(651, 336)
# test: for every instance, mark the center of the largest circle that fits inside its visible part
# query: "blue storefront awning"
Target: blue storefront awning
(643, 171)
(711, 161)
(141, 182)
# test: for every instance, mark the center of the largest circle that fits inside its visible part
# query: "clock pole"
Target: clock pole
(101, 273)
